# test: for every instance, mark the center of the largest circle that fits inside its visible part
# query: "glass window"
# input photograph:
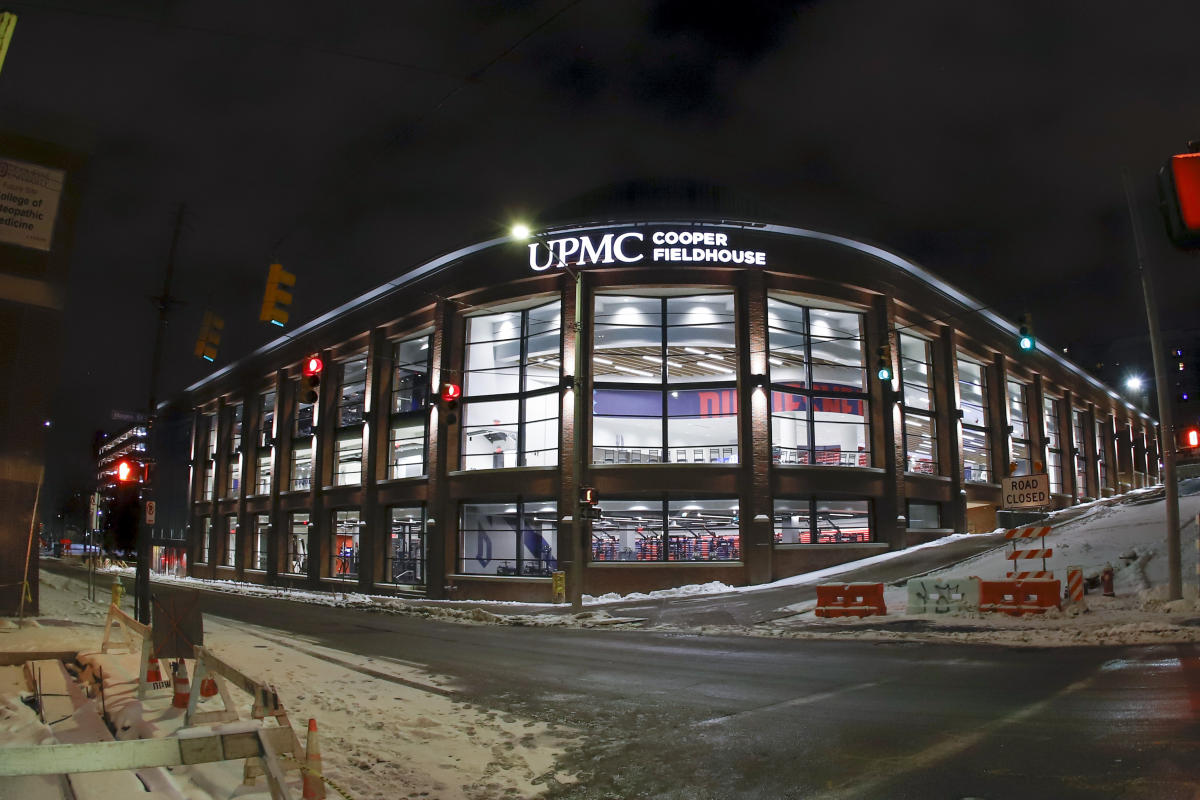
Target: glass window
(972, 390)
(352, 394)
(233, 466)
(406, 546)
(410, 375)
(666, 372)
(694, 530)
(302, 453)
(923, 515)
(205, 540)
(208, 470)
(230, 554)
(1078, 447)
(1018, 420)
(304, 418)
(406, 452)
(513, 373)
(515, 539)
(343, 549)
(296, 559)
(262, 534)
(266, 419)
(348, 455)
(819, 412)
(262, 471)
(920, 429)
(1054, 454)
(1103, 437)
(817, 521)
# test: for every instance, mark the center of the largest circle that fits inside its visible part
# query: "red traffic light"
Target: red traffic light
(1179, 197)
(1191, 437)
(313, 366)
(128, 471)
(451, 392)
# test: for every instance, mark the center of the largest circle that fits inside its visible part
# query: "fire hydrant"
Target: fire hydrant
(118, 589)
(1106, 581)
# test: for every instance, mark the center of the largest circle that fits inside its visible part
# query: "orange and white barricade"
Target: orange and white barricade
(850, 600)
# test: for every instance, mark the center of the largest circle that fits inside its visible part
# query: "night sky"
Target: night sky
(351, 141)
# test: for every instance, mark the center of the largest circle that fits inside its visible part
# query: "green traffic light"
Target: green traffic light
(884, 374)
(1026, 343)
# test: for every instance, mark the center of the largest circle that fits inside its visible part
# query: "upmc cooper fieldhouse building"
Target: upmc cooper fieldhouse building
(735, 427)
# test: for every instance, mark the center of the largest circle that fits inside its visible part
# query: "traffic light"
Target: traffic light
(1179, 197)
(1025, 337)
(128, 471)
(8, 23)
(449, 395)
(1191, 437)
(210, 336)
(883, 363)
(313, 365)
(276, 296)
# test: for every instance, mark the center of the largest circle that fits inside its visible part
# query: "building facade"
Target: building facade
(733, 422)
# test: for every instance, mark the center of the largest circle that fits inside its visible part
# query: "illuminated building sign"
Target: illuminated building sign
(665, 247)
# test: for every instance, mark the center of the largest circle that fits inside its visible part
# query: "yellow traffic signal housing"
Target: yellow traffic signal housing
(210, 336)
(277, 296)
(8, 23)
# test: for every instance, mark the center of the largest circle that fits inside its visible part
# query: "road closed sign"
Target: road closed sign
(1027, 491)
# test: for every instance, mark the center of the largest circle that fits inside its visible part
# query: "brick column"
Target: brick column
(441, 516)
(755, 504)
(373, 533)
(887, 436)
(949, 431)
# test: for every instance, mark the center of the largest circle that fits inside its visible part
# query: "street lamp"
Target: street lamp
(1133, 383)
(521, 232)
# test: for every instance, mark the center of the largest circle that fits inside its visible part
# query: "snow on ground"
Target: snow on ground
(409, 737)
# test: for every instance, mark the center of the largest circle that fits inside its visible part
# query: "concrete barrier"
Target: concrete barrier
(942, 595)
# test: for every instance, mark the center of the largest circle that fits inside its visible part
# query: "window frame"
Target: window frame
(418, 413)
(980, 430)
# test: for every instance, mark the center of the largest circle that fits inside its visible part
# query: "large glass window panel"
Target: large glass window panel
(628, 339)
(405, 554)
(508, 539)
(920, 444)
(304, 419)
(1103, 437)
(490, 434)
(296, 557)
(700, 339)
(843, 521)
(790, 441)
(406, 450)
(344, 549)
(541, 430)
(1020, 458)
(410, 375)
(632, 530)
(972, 389)
(789, 343)
(266, 419)
(835, 339)
(916, 373)
(348, 457)
(262, 534)
(352, 392)
(793, 521)
(205, 539)
(715, 436)
(301, 473)
(1050, 409)
(922, 515)
(493, 364)
(1017, 416)
(976, 456)
(208, 476)
(230, 554)
(1078, 448)
(703, 530)
(626, 426)
(840, 433)
(262, 471)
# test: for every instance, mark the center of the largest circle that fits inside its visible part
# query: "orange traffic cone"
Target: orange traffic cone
(183, 691)
(314, 786)
(208, 687)
(153, 673)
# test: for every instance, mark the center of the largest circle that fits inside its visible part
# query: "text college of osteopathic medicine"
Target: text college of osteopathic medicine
(733, 425)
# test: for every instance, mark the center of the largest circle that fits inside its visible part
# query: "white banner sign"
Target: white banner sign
(29, 197)
(1027, 491)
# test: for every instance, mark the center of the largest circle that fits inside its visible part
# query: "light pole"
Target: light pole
(521, 232)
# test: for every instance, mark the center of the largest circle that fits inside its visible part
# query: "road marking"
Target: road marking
(869, 787)
(795, 701)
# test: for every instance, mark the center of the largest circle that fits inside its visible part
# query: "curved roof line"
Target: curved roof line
(449, 259)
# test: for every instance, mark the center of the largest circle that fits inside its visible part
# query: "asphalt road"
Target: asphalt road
(686, 716)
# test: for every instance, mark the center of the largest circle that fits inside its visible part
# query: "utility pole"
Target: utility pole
(1166, 427)
(164, 301)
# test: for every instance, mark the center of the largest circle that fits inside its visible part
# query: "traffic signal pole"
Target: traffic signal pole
(1166, 427)
(141, 581)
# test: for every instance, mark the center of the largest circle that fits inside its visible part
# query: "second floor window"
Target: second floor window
(348, 444)
(976, 446)
(1018, 421)
(409, 413)
(920, 428)
(264, 443)
(511, 391)
(1054, 455)
(233, 464)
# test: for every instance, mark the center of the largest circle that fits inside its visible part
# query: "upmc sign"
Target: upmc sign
(631, 247)
(1027, 491)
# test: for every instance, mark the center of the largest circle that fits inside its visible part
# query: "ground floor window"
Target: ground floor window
(231, 542)
(405, 555)
(516, 538)
(262, 533)
(924, 515)
(672, 530)
(296, 559)
(169, 561)
(205, 539)
(976, 455)
(817, 521)
(344, 550)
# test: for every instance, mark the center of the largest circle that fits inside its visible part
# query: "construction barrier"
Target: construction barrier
(1035, 532)
(850, 600)
(1019, 597)
(942, 595)
(1036, 575)
(1075, 585)
(149, 675)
